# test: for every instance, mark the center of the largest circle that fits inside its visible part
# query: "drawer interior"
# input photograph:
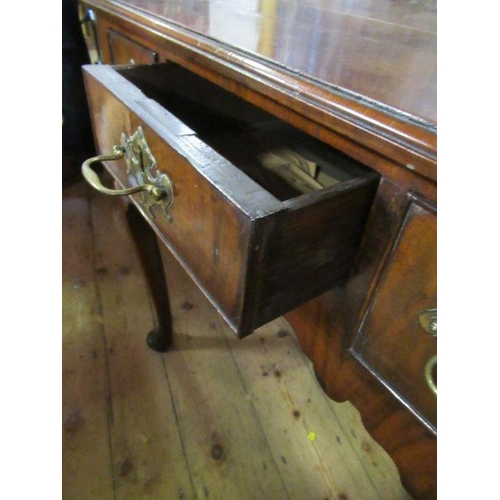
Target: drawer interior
(282, 159)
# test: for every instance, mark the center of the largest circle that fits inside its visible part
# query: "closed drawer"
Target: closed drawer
(396, 341)
(123, 50)
(258, 241)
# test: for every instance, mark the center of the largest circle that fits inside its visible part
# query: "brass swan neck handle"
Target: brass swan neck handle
(142, 169)
(93, 179)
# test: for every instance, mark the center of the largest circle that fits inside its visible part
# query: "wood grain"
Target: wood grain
(396, 39)
(269, 365)
(213, 416)
(85, 388)
(391, 342)
(327, 327)
(148, 459)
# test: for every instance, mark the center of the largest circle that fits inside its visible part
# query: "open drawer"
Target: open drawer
(262, 216)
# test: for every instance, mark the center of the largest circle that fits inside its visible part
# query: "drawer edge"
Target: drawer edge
(231, 322)
(253, 201)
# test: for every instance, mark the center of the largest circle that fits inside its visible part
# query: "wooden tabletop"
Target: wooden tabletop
(384, 51)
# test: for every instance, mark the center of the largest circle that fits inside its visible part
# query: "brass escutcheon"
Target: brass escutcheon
(155, 187)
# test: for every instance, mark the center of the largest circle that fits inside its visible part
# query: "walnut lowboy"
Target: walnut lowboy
(256, 246)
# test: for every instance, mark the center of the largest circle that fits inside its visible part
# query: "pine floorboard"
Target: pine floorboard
(215, 417)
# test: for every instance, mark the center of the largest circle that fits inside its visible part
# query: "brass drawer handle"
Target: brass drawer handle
(93, 179)
(155, 186)
(429, 367)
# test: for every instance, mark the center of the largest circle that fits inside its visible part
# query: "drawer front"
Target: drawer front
(208, 234)
(123, 50)
(246, 249)
(395, 341)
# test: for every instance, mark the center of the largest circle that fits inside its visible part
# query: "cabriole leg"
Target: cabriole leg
(146, 243)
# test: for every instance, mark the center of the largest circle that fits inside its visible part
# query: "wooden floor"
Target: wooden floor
(215, 417)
